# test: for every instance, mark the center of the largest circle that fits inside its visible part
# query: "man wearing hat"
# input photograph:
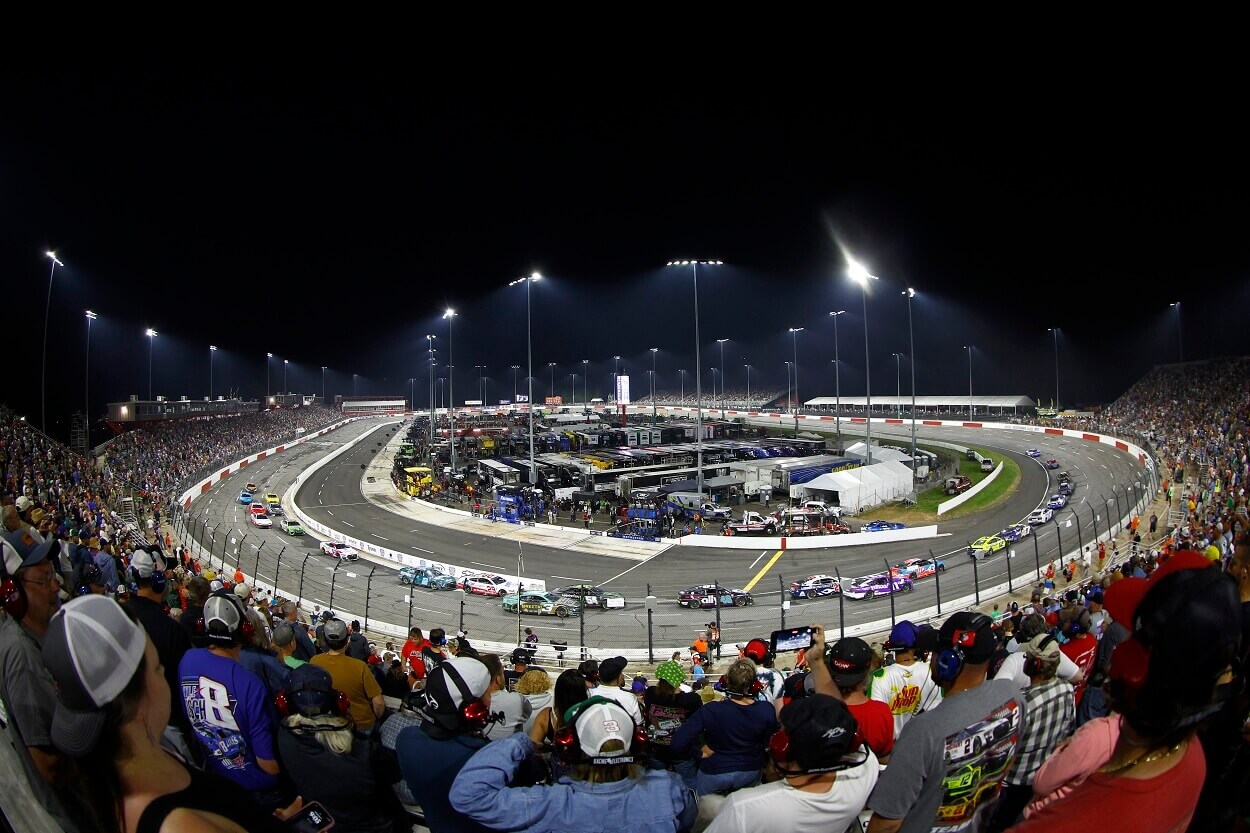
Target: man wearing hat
(352, 677)
(967, 739)
(844, 674)
(106, 563)
(610, 671)
(826, 775)
(1050, 714)
(26, 687)
(906, 686)
(432, 754)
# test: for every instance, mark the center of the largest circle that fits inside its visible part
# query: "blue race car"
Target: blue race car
(1033, 452)
(881, 526)
(814, 586)
(1057, 501)
(878, 585)
(245, 497)
(1052, 463)
(1015, 532)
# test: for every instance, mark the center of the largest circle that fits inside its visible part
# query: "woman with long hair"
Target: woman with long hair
(666, 708)
(113, 704)
(570, 689)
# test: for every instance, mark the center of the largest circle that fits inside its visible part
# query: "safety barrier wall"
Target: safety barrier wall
(814, 542)
(947, 505)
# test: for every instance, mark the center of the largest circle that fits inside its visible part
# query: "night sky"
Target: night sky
(329, 216)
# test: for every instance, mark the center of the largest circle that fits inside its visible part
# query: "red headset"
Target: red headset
(333, 703)
(753, 690)
(246, 629)
(472, 715)
(569, 749)
(759, 651)
(12, 596)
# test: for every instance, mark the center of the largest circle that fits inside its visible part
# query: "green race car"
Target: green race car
(292, 527)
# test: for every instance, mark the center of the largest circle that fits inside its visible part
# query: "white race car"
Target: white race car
(338, 550)
(260, 519)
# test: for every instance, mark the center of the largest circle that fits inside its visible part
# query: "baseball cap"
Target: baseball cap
(821, 731)
(223, 618)
(93, 649)
(1050, 652)
(589, 669)
(336, 633)
(975, 633)
(849, 661)
(283, 634)
(520, 656)
(601, 722)
(243, 590)
(23, 503)
(146, 563)
(1123, 597)
(639, 685)
(902, 636)
(612, 667)
(24, 548)
(671, 673)
(448, 685)
(310, 691)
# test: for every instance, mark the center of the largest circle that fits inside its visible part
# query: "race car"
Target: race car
(338, 550)
(1052, 463)
(877, 585)
(1065, 487)
(430, 577)
(590, 595)
(292, 527)
(986, 546)
(1057, 501)
(815, 586)
(1033, 452)
(712, 595)
(256, 509)
(1064, 476)
(260, 519)
(272, 499)
(881, 526)
(541, 604)
(1015, 532)
(245, 497)
(251, 487)
(919, 567)
(1040, 516)
(484, 584)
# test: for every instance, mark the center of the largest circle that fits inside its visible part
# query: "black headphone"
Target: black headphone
(759, 651)
(85, 576)
(950, 661)
(752, 691)
(1032, 664)
(569, 749)
(471, 716)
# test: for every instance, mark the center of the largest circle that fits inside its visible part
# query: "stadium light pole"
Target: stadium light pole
(898, 383)
(86, 375)
(354, 377)
(1180, 344)
(1055, 332)
(721, 342)
(794, 334)
(748, 402)
(268, 359)
(586, 381)
(515, 368)
(654, 350)
(450, 314)
(478, 368)
(43, 381)
(698, 375)
(285, 364)
(551, 366)
(572, 388)
(911, 340)
(837, 378)
(212, 354)
(860, 275)
(683, 387)
(788, 388)
(151, 334)
(529, 281)
(323, 385)
(968, 347)
(616, 372)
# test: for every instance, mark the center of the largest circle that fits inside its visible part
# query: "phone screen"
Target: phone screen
(792, 639)
(312, 818)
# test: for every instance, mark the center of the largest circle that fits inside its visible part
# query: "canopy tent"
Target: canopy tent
(861, 488)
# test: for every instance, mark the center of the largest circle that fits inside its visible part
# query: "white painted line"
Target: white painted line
(328, 512)
(349, 523)
(318, 601)
(379, 537)
(573, 578)
(631, 569)
(757, 560)
(492, 566)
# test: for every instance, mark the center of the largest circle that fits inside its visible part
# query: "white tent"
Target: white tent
(858, 489)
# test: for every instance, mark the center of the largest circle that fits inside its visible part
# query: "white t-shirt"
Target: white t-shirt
(778, 806)
(1013, 669)
(907, 690)
(620, 695)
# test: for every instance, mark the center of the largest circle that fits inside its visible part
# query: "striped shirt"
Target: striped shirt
(1050, 711)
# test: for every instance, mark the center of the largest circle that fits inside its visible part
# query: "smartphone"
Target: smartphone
(791, 639)
(312, 818)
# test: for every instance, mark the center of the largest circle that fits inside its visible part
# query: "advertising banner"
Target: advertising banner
(622, 390)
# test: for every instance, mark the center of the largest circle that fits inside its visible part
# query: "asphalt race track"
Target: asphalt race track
(333, 496)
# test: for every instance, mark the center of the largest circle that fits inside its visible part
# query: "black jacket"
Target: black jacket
(172, 640)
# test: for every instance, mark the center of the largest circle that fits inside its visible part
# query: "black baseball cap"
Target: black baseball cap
(822, 732)
(850, 661)
(972, 632)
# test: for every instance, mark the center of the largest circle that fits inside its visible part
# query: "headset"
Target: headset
(471, 716)
(752, 692)
(312, 702)
(246, 629)
(759, 652)
(569, 749)
(779, 751)
(12, 594)
(157, 580)
(950, 661)
(1032, 664)
(589, 671)
(87, 575)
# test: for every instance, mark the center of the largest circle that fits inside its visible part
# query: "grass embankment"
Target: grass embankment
(925, 510)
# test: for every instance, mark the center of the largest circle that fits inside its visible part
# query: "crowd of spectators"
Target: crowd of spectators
(733, 398)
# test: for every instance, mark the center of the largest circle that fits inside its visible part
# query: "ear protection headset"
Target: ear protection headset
(758, 651)
(87, 574)
(311, 702)
(779, 751)
(246, 629)
(1033, 665)
(569, 749)
(752, 691)
(950, 660)
(471, 716)
(157, 580)
(12, 594)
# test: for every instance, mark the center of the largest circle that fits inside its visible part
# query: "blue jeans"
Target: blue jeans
(686, 770)
(724, 782)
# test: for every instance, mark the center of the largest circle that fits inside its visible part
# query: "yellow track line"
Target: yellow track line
(763, 570)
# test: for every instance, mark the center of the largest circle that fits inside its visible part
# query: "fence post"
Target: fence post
(1037, 557)
(225, 543)
(650, 640)
(256, 572)
(237, 557)
(976, 580)
(333, 579)
(718, 630)
(277, 568)
(841, 604)
(368, 589)
(1059, 539)
(889, 577)
(411, 587)
(300, 593)
(1080, 536)
(937, 582)
(782, 584)
(581, 631)
(1094, 517)
(1011, 552)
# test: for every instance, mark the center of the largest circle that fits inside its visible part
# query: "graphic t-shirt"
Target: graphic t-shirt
(907, 689)
(228, 708)
(665, 717)
(948, 764)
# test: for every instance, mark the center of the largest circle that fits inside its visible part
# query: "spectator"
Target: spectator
(26, 687)
(352, 677)
(610, 671)
(229, 708)
(432, 654)
(608, 789)
(975, 718)
(570, 689)
(826, 775)
(1074, 760)
(357, 645)
(1049, 713)
(411, 656)
(759, 653)
(735, 733)
(1081, 649)
(87, 579)
(326, 760)
(284, 644)
(197, 592)
(110, 713)
(513, 707)
(849, 663)
(304, 649)
(454, 709)
(395, 681)
(666, 708)
(1186, 616)
(535, 686)
(906, 686)
(1013, 666)
(520, 664)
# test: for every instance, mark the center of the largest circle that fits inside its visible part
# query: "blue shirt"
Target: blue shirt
(230, 713)
(429, 766)
(658, 802)
(108, 569)
(738, 735)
